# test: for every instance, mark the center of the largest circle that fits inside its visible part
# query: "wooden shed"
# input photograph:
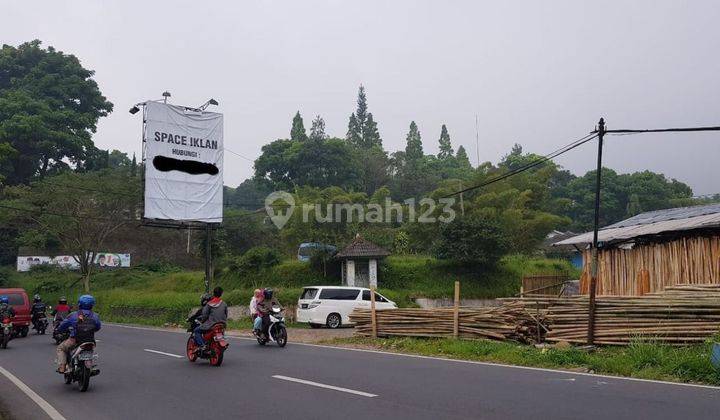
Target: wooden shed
(653, 250)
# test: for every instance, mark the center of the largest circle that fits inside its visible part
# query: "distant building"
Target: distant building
(359, 263)
(653, 250)
(571, 253)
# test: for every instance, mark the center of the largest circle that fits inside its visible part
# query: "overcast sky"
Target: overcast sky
(539, 73)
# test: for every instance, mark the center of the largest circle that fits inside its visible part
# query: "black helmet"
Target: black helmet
(204, 299)
(36, 298)
(63, 300)
(267, 293)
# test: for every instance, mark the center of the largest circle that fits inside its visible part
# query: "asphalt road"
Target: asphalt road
(297, 381)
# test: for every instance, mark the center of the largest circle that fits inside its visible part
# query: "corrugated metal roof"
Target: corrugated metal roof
(667, 214)
(653, 223)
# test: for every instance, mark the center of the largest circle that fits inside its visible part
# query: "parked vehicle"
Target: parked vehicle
(6, 332)
(82, 365)
(307, 249)
(332, 305)
(21, 304)
(40, 324)
(215, 348)
(276, 331)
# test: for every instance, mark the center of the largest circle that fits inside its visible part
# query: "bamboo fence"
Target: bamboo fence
(649, 268)
(511, 321)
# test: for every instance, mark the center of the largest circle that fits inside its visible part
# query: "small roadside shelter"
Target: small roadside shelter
(359, 262)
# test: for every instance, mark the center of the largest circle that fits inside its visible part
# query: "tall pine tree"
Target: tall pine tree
(362, 128)
(446, 149)
(297, 132)
(133, 167)
(413, 149)
(462, 158)
(317, 130)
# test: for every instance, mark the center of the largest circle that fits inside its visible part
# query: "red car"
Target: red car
(21, 304)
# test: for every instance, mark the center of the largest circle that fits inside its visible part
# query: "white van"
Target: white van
(332, 305)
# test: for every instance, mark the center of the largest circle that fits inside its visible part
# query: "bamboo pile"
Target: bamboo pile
(654, 266)
(679, 315)
(510, 321)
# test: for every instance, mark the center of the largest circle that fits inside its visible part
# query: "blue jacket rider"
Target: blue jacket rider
(84, 318)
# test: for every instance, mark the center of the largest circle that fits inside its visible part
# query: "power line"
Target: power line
(238, 154)
(530, 165)
(663, 130)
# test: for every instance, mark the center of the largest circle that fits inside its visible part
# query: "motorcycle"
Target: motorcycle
(82, 365)
(276, 331)
(6, 331)
(40, 324)
(213, 350)
(59, 337)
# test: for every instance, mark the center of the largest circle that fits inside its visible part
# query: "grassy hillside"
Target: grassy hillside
(156, 295)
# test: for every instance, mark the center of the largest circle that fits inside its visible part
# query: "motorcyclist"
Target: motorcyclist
(6, 311)
(265, 308)
(194, 318)
(213, 313)
(62, 310)
(38, 309)
(83, 325)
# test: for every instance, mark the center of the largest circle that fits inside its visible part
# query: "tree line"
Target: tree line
(64, 186)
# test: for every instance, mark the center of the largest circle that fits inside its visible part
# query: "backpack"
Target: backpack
(85, 329)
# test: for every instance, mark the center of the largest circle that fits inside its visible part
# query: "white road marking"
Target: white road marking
(319, 385)
(445, 359)
(164, 354)
(47, 408)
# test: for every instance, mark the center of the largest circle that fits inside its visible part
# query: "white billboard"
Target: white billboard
(183, 163)
(102, 259)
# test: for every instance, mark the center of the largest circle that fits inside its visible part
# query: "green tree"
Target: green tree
(81, 223)
(297, 132)
(49, 108)
(286, 164)
(317, 131)
(275, 164)
(473, 240)
(462, 158)
(413, 148)
(133, 167)
(362, 128)
(446, 150)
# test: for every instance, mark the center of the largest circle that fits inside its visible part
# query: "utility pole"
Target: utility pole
(208, 257)
(477, 141)
(596, 227)
(462, 203)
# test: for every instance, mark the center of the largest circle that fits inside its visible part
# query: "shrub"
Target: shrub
(257, 258)
(472, 240)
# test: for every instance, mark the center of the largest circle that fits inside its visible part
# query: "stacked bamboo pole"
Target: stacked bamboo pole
(679, 315)
(511, 321)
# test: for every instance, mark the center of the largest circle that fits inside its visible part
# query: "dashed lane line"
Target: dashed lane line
(319, 385)
(163, 353)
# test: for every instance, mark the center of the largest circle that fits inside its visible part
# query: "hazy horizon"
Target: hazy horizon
(535, 73)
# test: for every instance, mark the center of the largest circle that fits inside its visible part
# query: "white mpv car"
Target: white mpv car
(332, 305)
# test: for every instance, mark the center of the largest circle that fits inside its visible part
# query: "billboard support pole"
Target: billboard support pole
(208, 257)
